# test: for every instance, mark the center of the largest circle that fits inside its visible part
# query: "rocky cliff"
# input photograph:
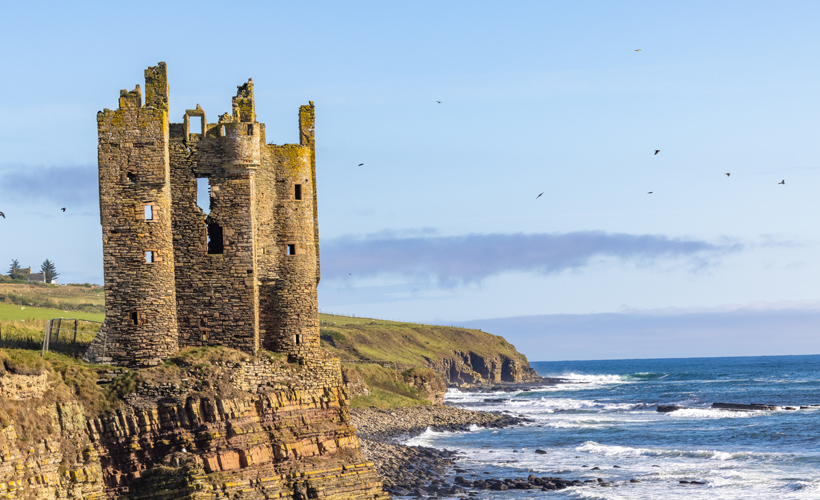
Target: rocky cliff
(461, 356)
(208, 424)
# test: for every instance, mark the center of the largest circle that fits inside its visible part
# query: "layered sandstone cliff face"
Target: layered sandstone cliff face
(204, 427)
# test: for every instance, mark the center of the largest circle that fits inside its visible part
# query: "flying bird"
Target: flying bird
(63, 209)
(728, 174)
(650, 192)
(782, 182)
(438, 102)
(538, 196)
(657, 151)
(2, 215)
(360, 164)
(637, 50)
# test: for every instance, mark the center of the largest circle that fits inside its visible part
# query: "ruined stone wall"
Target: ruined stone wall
(216, 292)
(135, 209)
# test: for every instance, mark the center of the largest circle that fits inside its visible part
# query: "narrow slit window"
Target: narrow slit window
(297, 191)
(291, 248)
(149, 256)
(149, 212)
(250, 129)
(297, 338)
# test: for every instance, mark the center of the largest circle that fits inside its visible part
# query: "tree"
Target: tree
(49, 270)
(14, 270)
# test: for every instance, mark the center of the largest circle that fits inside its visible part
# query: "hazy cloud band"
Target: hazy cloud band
(471, 258)
(62, 185)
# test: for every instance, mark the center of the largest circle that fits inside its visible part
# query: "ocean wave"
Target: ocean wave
(626, 451)
(645, 376)
(429, 435)
(712, 413)
(580, 378)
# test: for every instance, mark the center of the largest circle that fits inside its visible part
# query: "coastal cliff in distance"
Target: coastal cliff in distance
(462, 357)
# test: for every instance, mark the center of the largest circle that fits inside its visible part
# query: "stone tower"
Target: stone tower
(240, 273)
(135, 212)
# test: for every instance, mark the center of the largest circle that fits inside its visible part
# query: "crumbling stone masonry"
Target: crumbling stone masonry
(242, 275)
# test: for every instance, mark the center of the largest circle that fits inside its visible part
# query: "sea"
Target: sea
(601, 421)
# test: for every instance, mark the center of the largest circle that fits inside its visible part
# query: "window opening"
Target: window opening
(149, 256)
(215, 243)
(291, 248)
(203, 194)
(136, 318)
(298, 338)
(297, 191)
(195, 124)
(132, 177)
(250, 129)
(149, 212)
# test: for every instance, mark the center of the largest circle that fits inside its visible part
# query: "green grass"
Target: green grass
(65, 298)
(14, 312)
(387, 389)
(408, 344)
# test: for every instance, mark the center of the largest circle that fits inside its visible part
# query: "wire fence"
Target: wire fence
(55, 334)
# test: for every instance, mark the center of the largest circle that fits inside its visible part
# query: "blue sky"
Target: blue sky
(442, 224)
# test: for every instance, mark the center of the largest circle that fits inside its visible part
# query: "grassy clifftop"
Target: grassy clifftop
(412, 355)
(406, 343)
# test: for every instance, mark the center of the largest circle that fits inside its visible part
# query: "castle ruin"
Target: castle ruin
(242, 275)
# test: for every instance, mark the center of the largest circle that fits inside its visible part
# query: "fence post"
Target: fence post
(75, 331)
(59, 327)
(46, 335)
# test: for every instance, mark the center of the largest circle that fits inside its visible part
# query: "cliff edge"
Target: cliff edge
(210, 423)
(463, 357)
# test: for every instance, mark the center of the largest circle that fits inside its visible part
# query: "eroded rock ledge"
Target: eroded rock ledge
(197, 428)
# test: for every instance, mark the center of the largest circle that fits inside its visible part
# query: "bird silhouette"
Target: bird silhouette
(657, 151)
(438, 102)
(728, 174)
(2, 215)
(650, 192)
(63, 209)
(782, 182)
(637, 50)
(538, 196)
(360, 164)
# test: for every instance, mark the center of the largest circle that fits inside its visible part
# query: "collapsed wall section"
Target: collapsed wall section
(140, 327)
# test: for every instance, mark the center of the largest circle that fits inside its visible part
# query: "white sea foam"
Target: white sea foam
(626, 451)
(702, 413)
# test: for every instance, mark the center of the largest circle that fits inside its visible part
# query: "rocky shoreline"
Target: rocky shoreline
(422, 472)
(417, 470)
